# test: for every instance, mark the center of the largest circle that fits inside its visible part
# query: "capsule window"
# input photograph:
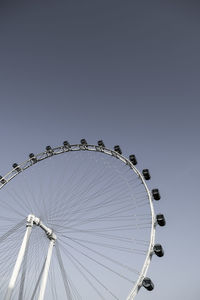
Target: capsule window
(148, 284)
(83, 142)
(146, 174)
(133, 159)
(156, 194)
(100, 143)
(161, 220)
(158, 250)
(118, 149)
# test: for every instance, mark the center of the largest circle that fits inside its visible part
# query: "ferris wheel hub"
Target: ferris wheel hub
(33, 220)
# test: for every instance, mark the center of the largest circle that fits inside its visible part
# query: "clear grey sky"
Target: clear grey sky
(124, 71)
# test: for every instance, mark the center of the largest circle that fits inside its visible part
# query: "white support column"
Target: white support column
(32, 220)
(20, 258)
(46, 270)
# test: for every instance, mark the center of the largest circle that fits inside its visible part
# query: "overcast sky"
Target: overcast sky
(124, 71)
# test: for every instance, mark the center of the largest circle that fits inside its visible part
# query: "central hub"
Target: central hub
(33, 220)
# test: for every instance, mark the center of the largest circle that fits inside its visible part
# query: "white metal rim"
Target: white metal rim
(80, 147)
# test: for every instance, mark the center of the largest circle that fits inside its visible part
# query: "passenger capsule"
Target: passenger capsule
(158, 250)
(83, 142)
(16, 167)
(2, 180)
(49, 149)
(66, 144)
(156, 194)
(133, 159)
(161, 219)
(32, 157)
(101, 144)
(146, 174)
(118, 149)
(148, 284)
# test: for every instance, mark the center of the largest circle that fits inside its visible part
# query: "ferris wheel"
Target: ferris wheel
(77, 222)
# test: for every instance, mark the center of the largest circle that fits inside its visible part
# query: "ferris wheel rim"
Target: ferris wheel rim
(89, 147)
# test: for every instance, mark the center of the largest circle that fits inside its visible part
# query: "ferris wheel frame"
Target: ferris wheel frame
(18, 168)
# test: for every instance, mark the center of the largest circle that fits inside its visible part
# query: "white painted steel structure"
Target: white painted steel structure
(34, 220)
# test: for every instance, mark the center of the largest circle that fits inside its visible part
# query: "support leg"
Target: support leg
(38, 281)
(23, 276)
(64, 275)
(18, 263)
(46, 270)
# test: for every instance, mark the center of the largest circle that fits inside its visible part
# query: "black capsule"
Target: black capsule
(66, 144)
(161, 220)
(146, 174)
(101, 144)
(158, 250)
(133, 159)
(118, 149)
(148, 284)
(156, 194)
(16, 167)
(83, 142)
(32, 157)
(2, 180)
(49, 150)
